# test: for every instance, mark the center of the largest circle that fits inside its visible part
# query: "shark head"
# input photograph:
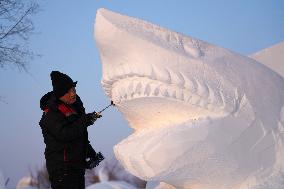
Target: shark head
(197, 109)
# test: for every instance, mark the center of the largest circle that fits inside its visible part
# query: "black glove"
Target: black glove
(96, 115)
(91, 118)
(94, 161)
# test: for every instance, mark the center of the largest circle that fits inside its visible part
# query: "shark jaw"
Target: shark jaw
(149, 103)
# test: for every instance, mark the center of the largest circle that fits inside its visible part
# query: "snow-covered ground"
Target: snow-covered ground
(103, 181)
(204, 117)
(111, 185)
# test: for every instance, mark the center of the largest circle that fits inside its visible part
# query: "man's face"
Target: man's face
(69, 97)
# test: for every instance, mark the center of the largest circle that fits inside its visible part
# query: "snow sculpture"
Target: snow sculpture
(272, 57)
(204, 117)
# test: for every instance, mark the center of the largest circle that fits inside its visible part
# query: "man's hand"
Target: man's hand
(94, 161)
(92, 117)
(97, 115)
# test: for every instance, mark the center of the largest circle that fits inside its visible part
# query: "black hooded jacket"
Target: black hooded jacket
(65, 133)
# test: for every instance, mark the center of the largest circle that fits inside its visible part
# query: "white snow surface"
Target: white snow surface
(111, 185)
(106, 184)
(158, 185)
(204, 117)
(26, 183)
(272, 57)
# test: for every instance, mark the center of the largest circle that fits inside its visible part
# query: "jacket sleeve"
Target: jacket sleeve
(90, 150)
(62, 130)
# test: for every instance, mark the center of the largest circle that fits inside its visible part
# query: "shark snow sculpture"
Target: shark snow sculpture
(203, 117)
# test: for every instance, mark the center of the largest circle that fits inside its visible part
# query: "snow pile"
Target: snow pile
(204, 117)
(273, 57)
(111, 185)
(26, 183)
(106, 184)
(158, 185)
(2, 180)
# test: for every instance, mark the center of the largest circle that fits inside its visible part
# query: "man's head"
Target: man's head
(63, 87)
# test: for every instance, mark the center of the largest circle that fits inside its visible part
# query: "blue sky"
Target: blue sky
(64, 38)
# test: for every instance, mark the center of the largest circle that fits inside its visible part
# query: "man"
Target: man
(64, 127)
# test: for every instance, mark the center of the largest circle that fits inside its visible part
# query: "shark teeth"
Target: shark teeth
(179, 95)
(142, 87)
(189, 83)
(156, 91)
(167, 83)
(186, 96)
(147, 90)
(161, 74)
(165, 75)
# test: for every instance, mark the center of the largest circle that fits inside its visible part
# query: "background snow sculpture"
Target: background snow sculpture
(272, 57)
(203, 116)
